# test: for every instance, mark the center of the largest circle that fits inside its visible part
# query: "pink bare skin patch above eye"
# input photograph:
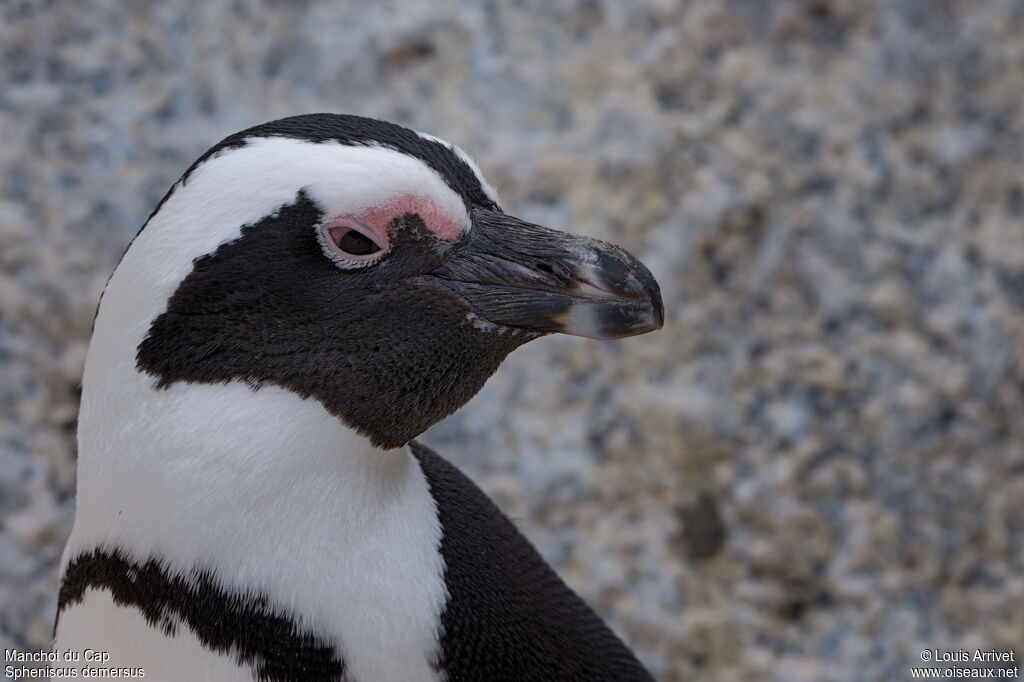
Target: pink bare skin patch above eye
(440, 222)
(357, 240)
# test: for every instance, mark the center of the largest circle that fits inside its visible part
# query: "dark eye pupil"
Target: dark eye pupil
(357, 244)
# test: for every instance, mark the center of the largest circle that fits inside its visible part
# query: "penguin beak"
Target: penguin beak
(516, 274)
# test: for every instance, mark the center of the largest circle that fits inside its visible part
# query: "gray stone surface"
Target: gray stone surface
(813, 472)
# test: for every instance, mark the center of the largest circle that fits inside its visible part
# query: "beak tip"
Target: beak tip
(659, 311)
(611, 319)
(629, 301)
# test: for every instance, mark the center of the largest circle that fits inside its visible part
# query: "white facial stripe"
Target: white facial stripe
(342, 179)
(489, 190)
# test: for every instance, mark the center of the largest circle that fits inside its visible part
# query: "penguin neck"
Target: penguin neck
(272, 498)
(206, 476)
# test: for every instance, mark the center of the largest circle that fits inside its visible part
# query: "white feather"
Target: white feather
(489, 190)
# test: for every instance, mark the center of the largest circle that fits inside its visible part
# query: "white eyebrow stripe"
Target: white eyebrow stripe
(340, 178)
(488, 189)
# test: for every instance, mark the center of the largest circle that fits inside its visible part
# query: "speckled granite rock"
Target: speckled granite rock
(813, 472)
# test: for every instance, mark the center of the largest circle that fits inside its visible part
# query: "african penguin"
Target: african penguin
(312, 295)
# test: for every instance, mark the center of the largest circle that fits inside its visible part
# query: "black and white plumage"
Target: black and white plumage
(313, 294)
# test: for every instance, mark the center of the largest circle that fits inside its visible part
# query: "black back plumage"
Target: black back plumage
(509, 616)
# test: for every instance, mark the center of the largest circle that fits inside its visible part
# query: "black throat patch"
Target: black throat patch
(379, 348)
(242, 627)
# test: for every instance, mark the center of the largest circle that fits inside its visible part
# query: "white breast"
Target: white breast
(273, 496)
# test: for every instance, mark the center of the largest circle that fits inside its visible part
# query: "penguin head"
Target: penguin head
(360, 264)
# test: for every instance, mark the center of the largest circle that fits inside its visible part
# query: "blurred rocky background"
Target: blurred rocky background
(813, 472)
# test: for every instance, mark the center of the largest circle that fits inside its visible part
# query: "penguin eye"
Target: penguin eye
(352, 244)
(356, 243)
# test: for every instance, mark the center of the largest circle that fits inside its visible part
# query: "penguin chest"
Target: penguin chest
(343, 582)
